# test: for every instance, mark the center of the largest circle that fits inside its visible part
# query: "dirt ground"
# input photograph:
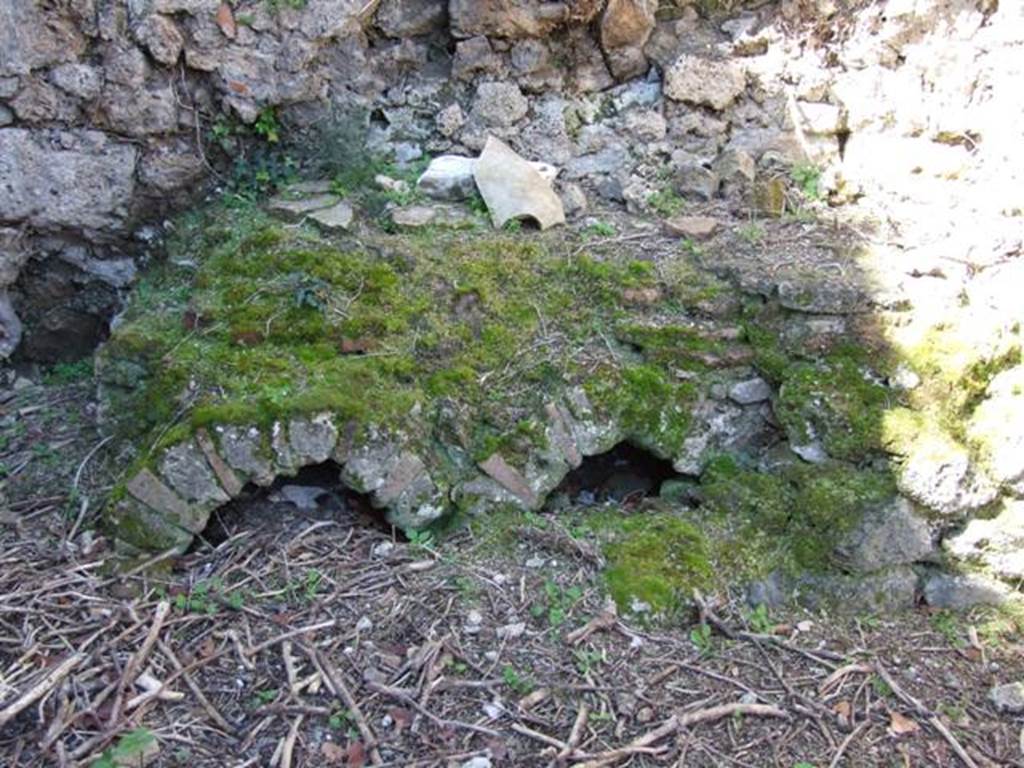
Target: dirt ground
(315, 638)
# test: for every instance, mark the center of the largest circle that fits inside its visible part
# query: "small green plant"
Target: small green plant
(666, 201)
(306, 588)
(600, 228)
(700, 636)
(807, 176)
(130, 749)
(342, 720)
(196, 600)
(70, 373)
(946, 624)
(558, 603)
(689, 246)
(760, 621)
(880, 687)
(513, 225)
(517, 682)
(420, 539)
(586, 660)
(267, 125)
(263, 697)
(752, 233)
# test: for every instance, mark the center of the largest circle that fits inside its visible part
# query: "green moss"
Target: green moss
(652, 408)
(839, 400)
(657, 559)
(793, 519)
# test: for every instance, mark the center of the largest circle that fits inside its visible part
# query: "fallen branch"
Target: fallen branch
(928, 715)
(676, 723)
(40, 689)
(337, 684)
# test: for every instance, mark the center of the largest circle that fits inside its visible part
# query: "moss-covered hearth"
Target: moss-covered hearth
(460, 373)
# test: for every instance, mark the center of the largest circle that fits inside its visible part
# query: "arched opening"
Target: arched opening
(315, 493)
(625, 474)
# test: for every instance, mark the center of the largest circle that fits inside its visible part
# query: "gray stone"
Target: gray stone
(41, 179)
(996, 544)
(337, 218)
(160, 36)
(696, 181)
(958, 592)
(171, 166)
(141, 529)
(750, 391)
(410, 18)
(449, 120)
(499, 104)
(812, 452)
(889, 590)
(140, 112)
(6, 116)
(699, 80)
(644, 125)
(243, 450)
(1008, 698)
(39, 102)
(561, 433)
(607, 160)
(574, 200)
(938, 474)
(448, 177)
(719, 427)
(691, 227)
(299, 208)
(818, 296)
(512, 188)
(406, 469)
(736, 170)
(79, 80)
(891, 534)
(8, 87)
(32, 38)
(185, 469)
(367, 467)
(312, 439)
(997, 428)
(304, 497)
(10, 326)
(501, 18)
(475, 58)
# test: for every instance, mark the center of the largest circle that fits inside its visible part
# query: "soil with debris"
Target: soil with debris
(309, 635)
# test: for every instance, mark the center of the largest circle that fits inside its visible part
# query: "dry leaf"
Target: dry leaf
(843, 709)
(207, 648)
(333, 753)
(355, 756)
(900, 725)
(402, 717)
(226, 21)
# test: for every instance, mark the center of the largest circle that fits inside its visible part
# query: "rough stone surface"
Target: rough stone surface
(41, 179)
(511, 479)
(337, 218)
(410, 18)
(698, 80)
(499, 104)
(185, 469)
(79, 80)
(965, 591)
(996, 544)
(225, 475)
(242, 448)
(160, 36)
(148, 488)
(720, 426)
(625, 27)
(512, 188)
(750, 391)
(1008, 698)
(506, 18)
(312, 440)
(448, 177)
(296, 209)
(692, 227)
(938, 474)
(997, 427)
(893, 534)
